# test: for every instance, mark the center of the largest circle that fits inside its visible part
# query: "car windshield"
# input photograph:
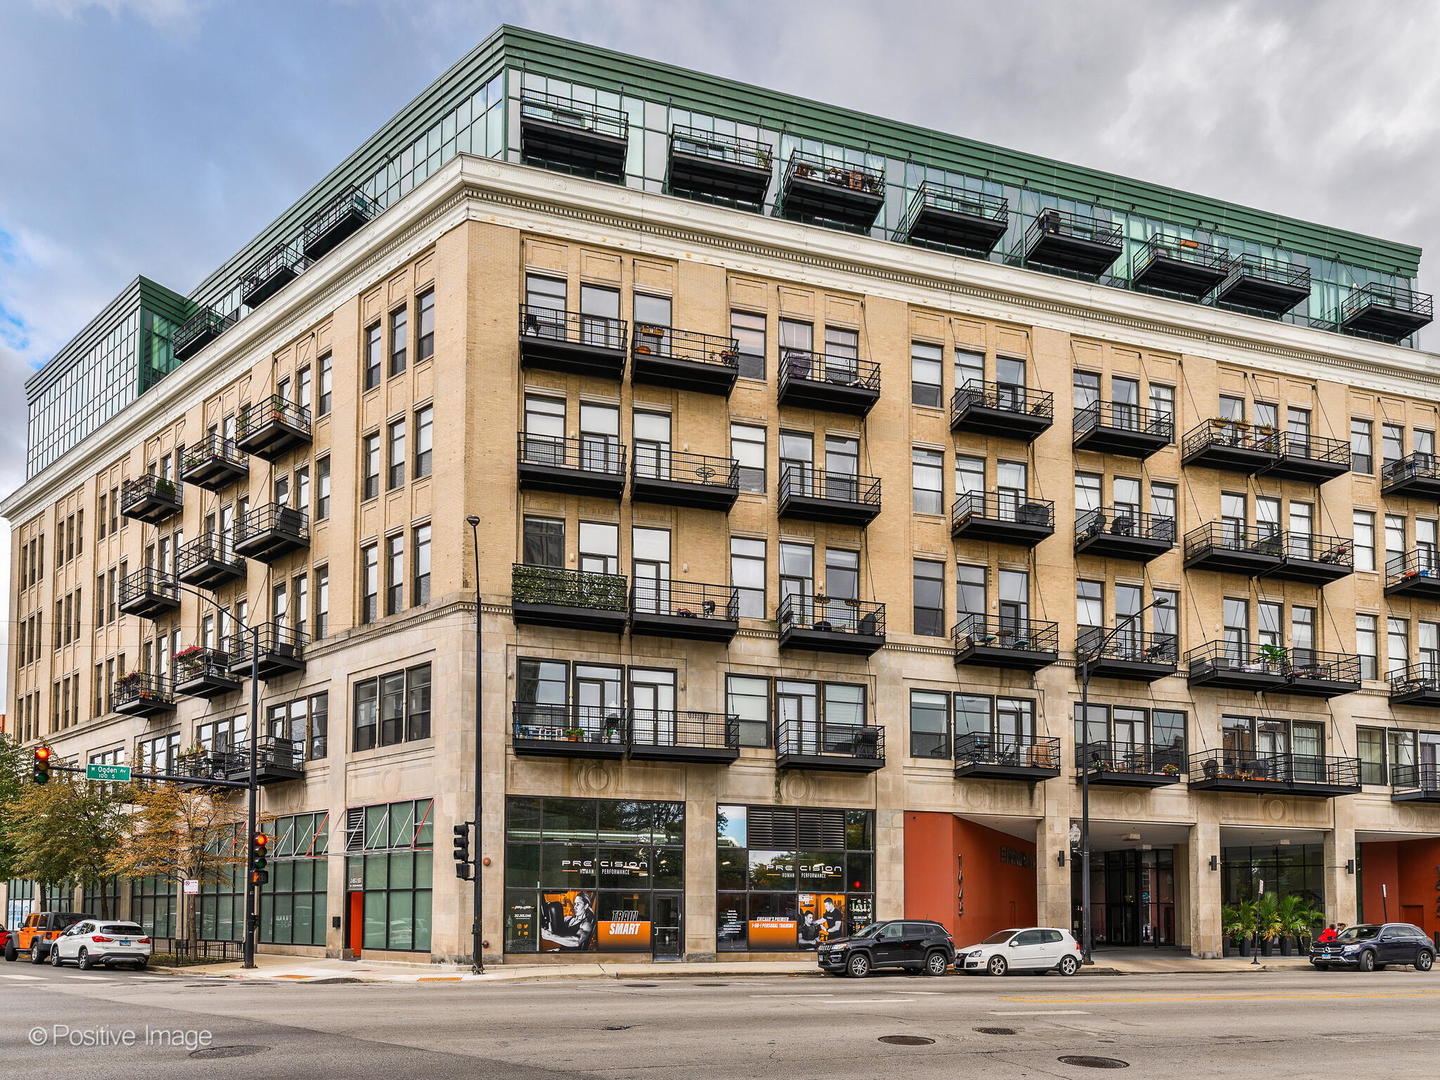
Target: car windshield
(1359, 933)
(998, 938)
(121, 928)
(68, 919)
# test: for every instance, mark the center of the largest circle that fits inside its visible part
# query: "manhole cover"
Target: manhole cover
(906, 1040)
(642, 986)
(1087, 1062)
(995, 1031)
(227, 1051)
(616, 1027)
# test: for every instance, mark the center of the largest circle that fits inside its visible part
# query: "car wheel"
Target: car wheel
(1424, 960)
(858, 966)
(37, 954)
(1069, 965)
(11, 953)
(141, 965)
(54, 957)
(1367, 961)
(83, 960)
(997, 965)
(935, 964)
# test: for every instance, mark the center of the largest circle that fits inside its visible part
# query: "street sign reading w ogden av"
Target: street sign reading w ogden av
(118, 773)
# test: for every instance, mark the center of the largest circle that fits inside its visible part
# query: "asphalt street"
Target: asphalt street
(68, 1024)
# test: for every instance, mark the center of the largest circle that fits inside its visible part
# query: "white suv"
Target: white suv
(96, 941)
(1035, 948)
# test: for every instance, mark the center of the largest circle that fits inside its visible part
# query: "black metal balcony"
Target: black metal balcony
(832, 382)
(569, 599)
(1415, 476)
(1002, 517)
(823, 190)
(572, 342)
(1118, 532)
(1418, 684)
(346, 213)
(142, 693)
(1172, 264)
(810, 494)
(1229, 548)
(1313, 558)
(573, 136)
(1387, 312)
(1238, 665)
(1416, 573)
(684, 609)
(584, 731)
(276, 760)
(985, 756)
(1130, 653)
(1262, 286)
(1314, 775)
(723, 169)
(1322, 674)
(828, 624)
(271, 532)
(1233, 445)
(201, 766)
(149, 593)
(1312, 458)
(808, 744)
(1117, 427)
(988, 408)
(203, 673)
(684, 359)
(1415, 783)
(197, 331)
(674, 478)
(1073, 243)
(589, 465)
(208, 561)
(214, 463)
(1002, 642)
(281, 651)
(150, 498)
(1125, 764)
(686, 736)
(272, 427)
(954, 218)
(270, 273)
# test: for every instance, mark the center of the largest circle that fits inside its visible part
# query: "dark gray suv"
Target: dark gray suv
(913, 944)
(1371, 946)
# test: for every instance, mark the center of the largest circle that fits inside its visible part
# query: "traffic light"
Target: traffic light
(259, 859)
(42, 764)
(462, 851)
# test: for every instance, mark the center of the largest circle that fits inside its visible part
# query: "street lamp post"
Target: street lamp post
(1086, 930)
(478, 944)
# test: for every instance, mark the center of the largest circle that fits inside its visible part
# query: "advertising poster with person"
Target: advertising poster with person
(567, 922)
(822, 917)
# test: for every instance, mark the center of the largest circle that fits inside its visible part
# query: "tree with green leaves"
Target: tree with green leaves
(14, 764)
(64, 831)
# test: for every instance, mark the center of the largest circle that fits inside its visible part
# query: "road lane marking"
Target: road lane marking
(918, 993)
(90, 978)
(16, 975)
(1040, 1012)
(1175, 998)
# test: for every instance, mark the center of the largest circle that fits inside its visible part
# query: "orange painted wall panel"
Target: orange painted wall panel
(971, 879)
(1411, 871)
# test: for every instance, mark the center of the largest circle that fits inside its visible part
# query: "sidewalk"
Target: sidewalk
(309, 969)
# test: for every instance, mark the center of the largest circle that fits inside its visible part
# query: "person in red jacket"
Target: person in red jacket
(1328, 934)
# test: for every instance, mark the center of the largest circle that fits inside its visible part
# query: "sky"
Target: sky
(157, 136)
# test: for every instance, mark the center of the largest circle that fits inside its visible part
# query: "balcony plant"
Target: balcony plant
(1273, 655)
(573, 734)
(1170, 769)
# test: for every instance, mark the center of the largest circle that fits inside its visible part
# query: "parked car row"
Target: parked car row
(65, 937)
(919, 945)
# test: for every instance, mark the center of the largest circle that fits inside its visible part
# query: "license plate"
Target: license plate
(1328, 956)
(122, 943)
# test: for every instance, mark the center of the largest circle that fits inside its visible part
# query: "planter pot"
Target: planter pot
(1226, 947)
(1266, 947)
(1244, 947)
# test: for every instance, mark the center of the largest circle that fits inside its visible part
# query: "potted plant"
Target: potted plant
(612, 728)
(1239, 924)
(1273, 655)
(1170, 769)
(573, 734)
(1269, 922)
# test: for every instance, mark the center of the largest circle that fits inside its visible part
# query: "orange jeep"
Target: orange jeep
(37, 931)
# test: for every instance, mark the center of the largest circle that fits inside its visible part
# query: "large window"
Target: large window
(304, 722)
(294, 903)
(925, 375)
(588, 875)
(788, 878)
(747, 446)
(748, 697)
(926, 466)
(392, 708)
(152, 904)
(929, 724)
(425, 340)
(1293, 870)
(929, 598)
(390, 858)
(747, 574)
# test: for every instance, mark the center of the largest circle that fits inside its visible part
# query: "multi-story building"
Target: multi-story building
(818, 459)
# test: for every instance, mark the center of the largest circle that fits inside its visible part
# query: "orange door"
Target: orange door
(356, 918)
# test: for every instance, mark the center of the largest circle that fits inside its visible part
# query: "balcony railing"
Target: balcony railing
(1417, 783)
(1415, 573)
(213, 462)
(1417, 684)
(1387, 312)
(1239, 664)
(271, 426)
(1131, 758)
(952, 217)
(677, 467)
(1077, 243)
(1416, 475)
(1002, 516)
(198, 331)
(1174, 264)
(686, 359)
(1266, 286)
(712, 167)
(1232, 547)
(1314, 557)
(149, 593)
(822, 495)
(573, 136)
(1112, 419)
(832, 381)
(1228, 444)
(332, 223)
(975, 398)
(1129, 646)
(572, 342)
(809, 744)
(270, 273)
(1123, 531)
(208, 561)
(569, 730)
(202, 672)
(142, 693)
(614, 731)
(684, 609)
(820, 614)
(570, 599)
(268, 532)
(570, 113)
(828, 190)
(1315, 458)
(1281, 772)
(150, 498)
(1007, 756)
(1035, 638)
(276, 759)
(281, 650)
(579, 466)
(731, 149)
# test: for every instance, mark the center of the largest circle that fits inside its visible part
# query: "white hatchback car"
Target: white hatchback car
(1034, 948)
(99, 941)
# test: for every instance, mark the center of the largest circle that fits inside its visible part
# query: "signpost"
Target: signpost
(119, 774)
(191, 886)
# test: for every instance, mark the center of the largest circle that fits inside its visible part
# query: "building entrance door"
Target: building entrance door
(1132, 897)
(667, 941)
(354, 921)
